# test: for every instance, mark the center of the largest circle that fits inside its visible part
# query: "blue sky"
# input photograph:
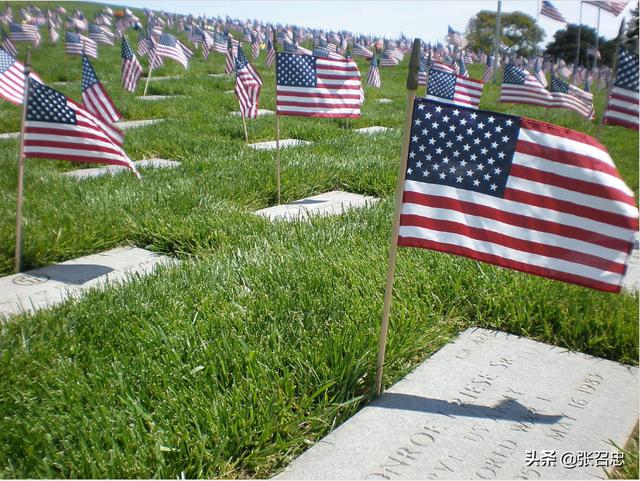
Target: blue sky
(426, 19)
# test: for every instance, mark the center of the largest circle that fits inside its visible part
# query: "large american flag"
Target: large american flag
(58, 128)
(567, 96)
(614, 7)
(317, 87)
(373, 76)
(248, 85)
(131, 68)
(169, 47)
(454, 88)
(76, 43)
(7, 44)
(24, 33)
(517, 193)
(622, 106)
(549, 10)
(95, 98)
(12, 78)
(520, 87)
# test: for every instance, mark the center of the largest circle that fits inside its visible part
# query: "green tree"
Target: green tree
(631, 37)
(520, 34)
(565, 44)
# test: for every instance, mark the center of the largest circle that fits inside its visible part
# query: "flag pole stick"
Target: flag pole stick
(412, 87)
(595, 54)
(579, 36)
(244, 124)
(275, 46)
(19, 195)
(497, 42)
(612, 77)
(144, 94)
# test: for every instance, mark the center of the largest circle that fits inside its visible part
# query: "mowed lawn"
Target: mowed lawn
(263, 338)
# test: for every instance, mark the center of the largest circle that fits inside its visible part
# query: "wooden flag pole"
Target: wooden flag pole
(244, 124)
(497, 43)
(144, 94)
(19, 195)
(412, 87)
(275, 47)
(595, 54)
(614, 68)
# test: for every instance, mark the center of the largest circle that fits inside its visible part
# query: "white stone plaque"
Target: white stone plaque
(376, 129)
(284, 143)
(117, 169)
(487, 406)
(10, 135)
(51, 285)
(132, 124)
(329, 203)
(154, 98)
(385, 101)
(261, 112)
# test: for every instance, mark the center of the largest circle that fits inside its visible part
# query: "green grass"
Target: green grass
(264, 337)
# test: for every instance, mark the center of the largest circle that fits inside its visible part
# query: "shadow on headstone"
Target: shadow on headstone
(76, 274)
(505, 410)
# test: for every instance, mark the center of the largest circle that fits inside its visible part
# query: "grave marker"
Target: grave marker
(284, 143)
(117, 169)
(376, 129)
(153, 98)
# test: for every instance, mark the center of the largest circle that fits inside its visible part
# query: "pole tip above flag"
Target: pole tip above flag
(414, 65)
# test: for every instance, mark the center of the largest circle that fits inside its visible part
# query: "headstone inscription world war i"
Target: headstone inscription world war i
(487, 406)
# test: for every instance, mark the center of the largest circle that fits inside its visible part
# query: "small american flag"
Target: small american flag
(101, 34)
(95, 97)
(520, 87)
(76, 44)
(255, 46)
(423, 69)
(488, 69)
(388, 59)
(317, 87)
(24, 33)
(131, 68)
(145, 43)
(170, 47)
(54, 36)
(362, 51)
(454, 88)
(538, 73)
(613, 7)
(7, 44)
(517, 193)
(549, 10)
(230, 59)
(271, 54)
(571, 97)
(455, 38)
(248, 85)
(58, 128)
(12, 78)
(326, 53)
(622, 106)
(219, 42)
(373, 77)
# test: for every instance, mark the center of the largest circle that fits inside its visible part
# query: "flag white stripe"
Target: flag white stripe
(564, 144)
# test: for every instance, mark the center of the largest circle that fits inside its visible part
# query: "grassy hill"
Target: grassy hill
(264, 337)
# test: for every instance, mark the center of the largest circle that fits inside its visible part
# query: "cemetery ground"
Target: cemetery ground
(262, 338)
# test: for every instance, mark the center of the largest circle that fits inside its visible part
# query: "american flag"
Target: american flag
(388, 59)
(131, 68)
(54, 36)
(454, 89)
(246, 35)
(373, 77)
(517, 193)
(101, 34)
(145, 43)
(7, 44)
(219, 42)
(95, 97)
(230, 59)
(455, 38)
(520, 87)
(75, 44)
(317, 87)
(207, 43)
(538, 73)
(622, 106)
(24, 33)
(423, 68)
(462, 67)
(170, 47)
(362, 51)
(271, 54)
(326, 53)
(291, 47)
(248, 85)
(185, 50)
(488, 69)
(549, 10)
(616, 8)
(12, 78)
(437, 64)
(58, 128)
(255, 46)
(570, 97)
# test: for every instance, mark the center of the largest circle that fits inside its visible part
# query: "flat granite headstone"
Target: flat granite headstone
(132, 124)
(631, 279)
(284, 143)
(229, 91)
(487, 406)
(117, 169)
(330, 203)
(384, 101)
(376, 129)
(153, 98)
(10, 135)
(170, 77)
(261, 112)
(51, 285)
(217, 75)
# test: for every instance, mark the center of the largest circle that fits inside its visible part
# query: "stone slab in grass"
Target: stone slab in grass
(132, 124)
(117, 169)
(261, 112)
(376, 129)
(631, 280)
(48, 286)
(385, 101)
(476, 408)
(229, 91)
(284, 143)
(169, 77)
(152, 98)
(10, 135)
(330, 203)
(218, 75)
